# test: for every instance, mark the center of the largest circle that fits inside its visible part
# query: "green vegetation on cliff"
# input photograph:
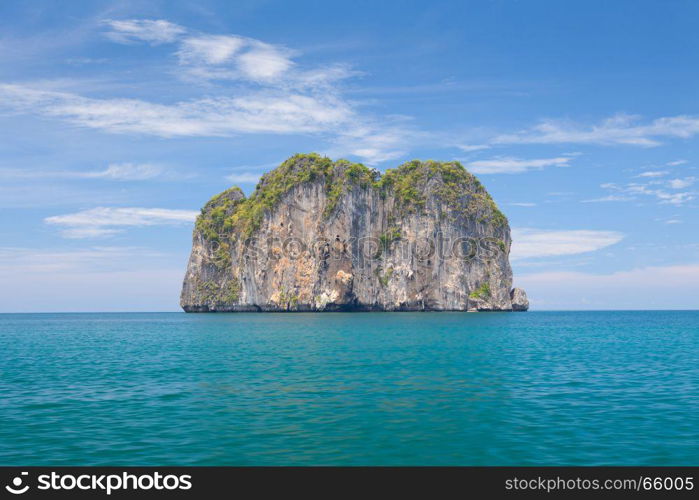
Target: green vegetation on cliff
(482, 292)
(455, 186)
(211, 292)
(410, 184)
(299, 169)
(213, 222)
(384, 278)
(345, 175)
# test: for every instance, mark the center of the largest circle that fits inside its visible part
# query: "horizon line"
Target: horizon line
(347, 312)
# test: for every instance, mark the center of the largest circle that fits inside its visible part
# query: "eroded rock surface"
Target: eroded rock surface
(318, 235)
(519, 300)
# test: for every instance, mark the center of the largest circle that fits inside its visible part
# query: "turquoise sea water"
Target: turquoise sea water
(350, 388)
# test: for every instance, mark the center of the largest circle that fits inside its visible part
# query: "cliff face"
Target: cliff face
(318, 235)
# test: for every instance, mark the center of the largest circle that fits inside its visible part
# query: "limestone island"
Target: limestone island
(323, 235)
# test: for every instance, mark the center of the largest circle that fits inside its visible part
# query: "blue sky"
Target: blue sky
(120, 119)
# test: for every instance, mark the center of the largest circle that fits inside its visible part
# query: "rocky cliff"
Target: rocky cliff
(318, 235)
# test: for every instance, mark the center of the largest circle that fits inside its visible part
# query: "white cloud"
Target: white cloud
(209, 49)
(375, 142)
(105, 221)
(79, 233)
(510, 165)
(660, 194)
(273, 94)
(114, 171)
(264, 62)
(256, 112)
(619, 129)
(681, 183)
(467, 148)
(676, 163)
(320, 78)
(611, 197)
(126, 172)
(263, 111)
(652, 188)
(674, 198)
(152, 31)
(653, 173)
(232, 57)
(204, 57)
(523, 204)
(243, 177)
(530, 243)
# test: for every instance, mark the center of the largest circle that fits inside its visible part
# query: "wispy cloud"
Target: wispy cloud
(275, 97)
(129, 171)
(263, 61)
(114, 171)
(618, 129)
(214, 116)
(661, 195)
(208, 56)
(273, 94)
(656, 188)
(530, 243)
(106, 221)
(221, 57)
(511, 165)
(376, 142)
(523, 204)
(144, 30)
(653, 173)
(243, 177)
(681, 183)
(209, 49)
(467, 148)
(611, 197)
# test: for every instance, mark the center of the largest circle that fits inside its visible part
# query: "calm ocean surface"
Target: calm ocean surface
(350, 388)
